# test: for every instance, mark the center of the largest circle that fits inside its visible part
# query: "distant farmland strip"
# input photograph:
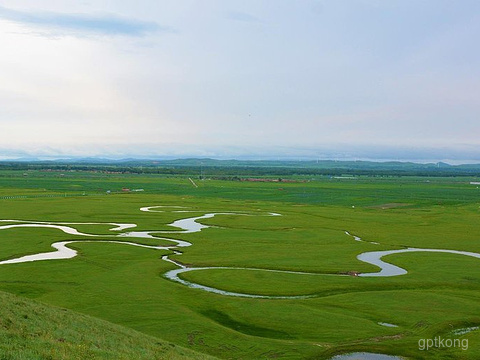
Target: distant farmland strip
(10, 197)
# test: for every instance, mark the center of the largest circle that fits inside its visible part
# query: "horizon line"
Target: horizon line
(271, 158)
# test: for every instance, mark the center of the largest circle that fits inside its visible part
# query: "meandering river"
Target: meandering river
(192, 225)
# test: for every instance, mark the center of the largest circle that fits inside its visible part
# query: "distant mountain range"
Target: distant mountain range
(274, 167)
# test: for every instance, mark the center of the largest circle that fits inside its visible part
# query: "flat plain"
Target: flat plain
(318, 314)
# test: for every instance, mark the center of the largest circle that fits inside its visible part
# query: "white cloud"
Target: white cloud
(298, 78)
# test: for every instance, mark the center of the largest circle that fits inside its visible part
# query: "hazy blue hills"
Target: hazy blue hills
(214, 167)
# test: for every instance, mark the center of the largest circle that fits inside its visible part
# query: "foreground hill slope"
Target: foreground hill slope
(31, 330)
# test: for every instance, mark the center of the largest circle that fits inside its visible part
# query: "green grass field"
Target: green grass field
(31, 330)
(124, 285)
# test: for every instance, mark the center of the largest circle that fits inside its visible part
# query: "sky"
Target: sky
(336, 79)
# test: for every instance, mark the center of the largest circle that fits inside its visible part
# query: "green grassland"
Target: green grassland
(124, 285)
(31, 330)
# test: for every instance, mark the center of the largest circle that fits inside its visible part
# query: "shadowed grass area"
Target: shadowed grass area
(227, 321)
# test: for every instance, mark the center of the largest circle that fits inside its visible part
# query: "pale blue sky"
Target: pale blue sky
(329, 79)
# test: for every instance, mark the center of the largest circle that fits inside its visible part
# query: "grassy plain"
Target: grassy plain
(124, 284)
(31, 330)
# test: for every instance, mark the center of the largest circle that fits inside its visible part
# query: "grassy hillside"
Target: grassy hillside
(31, 330)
